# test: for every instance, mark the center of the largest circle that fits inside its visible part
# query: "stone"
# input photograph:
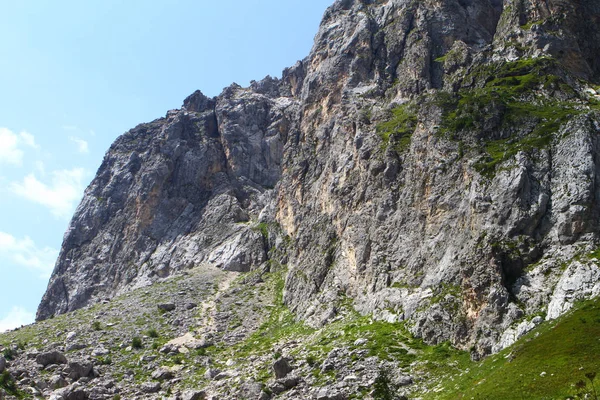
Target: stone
(162, 374)
(289, 382)
(51, 357)
(2, 364)
(72, 392)
(79, 369)
(150, 387)
(404, 380)
(323, 394)
(282, 367)
(57, 382)
(166, 307)
(222, 375)
(73, 346)
(211, 373)
(251, 389)
(100, 351)
(193, 395)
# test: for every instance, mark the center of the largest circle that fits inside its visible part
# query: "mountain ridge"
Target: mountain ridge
(433, 161)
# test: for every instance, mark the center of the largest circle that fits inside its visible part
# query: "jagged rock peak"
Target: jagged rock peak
(198, 102)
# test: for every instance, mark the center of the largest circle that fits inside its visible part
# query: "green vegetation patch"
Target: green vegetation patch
(397, 130)
(281, 323)
(508, 97)
(8, 384)
(559, 360)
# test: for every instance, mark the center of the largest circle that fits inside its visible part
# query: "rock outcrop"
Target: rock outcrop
(434, 161)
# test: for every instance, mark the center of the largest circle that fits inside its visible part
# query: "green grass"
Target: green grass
(281, 323)
(263, 228)
(507, 97)
(397, 130)
(566, 350)
(153, 333)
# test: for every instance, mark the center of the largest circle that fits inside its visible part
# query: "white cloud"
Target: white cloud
(10, 143)
(28, 139)
(26, 253)
(59, 196)
(82, 145)
(9, 151)
(16, 317)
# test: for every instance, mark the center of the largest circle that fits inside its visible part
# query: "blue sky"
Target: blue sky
(74, 75)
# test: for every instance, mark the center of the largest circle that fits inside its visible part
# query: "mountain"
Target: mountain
(431, 166)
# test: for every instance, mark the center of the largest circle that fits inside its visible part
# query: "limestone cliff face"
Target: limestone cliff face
(433, 161)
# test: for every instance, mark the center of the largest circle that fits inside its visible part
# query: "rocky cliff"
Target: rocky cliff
(433, 161)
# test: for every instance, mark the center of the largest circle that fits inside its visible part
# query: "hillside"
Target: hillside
(136, 346)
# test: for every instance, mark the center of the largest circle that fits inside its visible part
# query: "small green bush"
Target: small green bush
(153, 333)
(96, 326)
(104, 360)
(398, 130)
(7, 383)
(383, 388)
(9, 354)
(311, 360)
(136, 342)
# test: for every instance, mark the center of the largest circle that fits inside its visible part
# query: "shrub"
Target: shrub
(398, 129)
(152, 333)
(104, 360)
(311, 360)
(9, 354)
(382, 388)
(7, 383)
(136, 342)
(96, 326)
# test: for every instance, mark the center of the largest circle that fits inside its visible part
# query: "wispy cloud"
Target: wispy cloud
(16, 317)
(26, 253)
(28, 139)
(60, 195)
(82, 145)
(69, 127)
(11, 143)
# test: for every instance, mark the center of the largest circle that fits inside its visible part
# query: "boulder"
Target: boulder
(211, 373)
(282, 367)
(150, 387)
(51, 357)
(79, 369)
(162, 374)
(166, 307)
(58, 382)
(193, 395)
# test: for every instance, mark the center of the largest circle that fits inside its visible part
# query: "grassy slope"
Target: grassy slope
(566, 350)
